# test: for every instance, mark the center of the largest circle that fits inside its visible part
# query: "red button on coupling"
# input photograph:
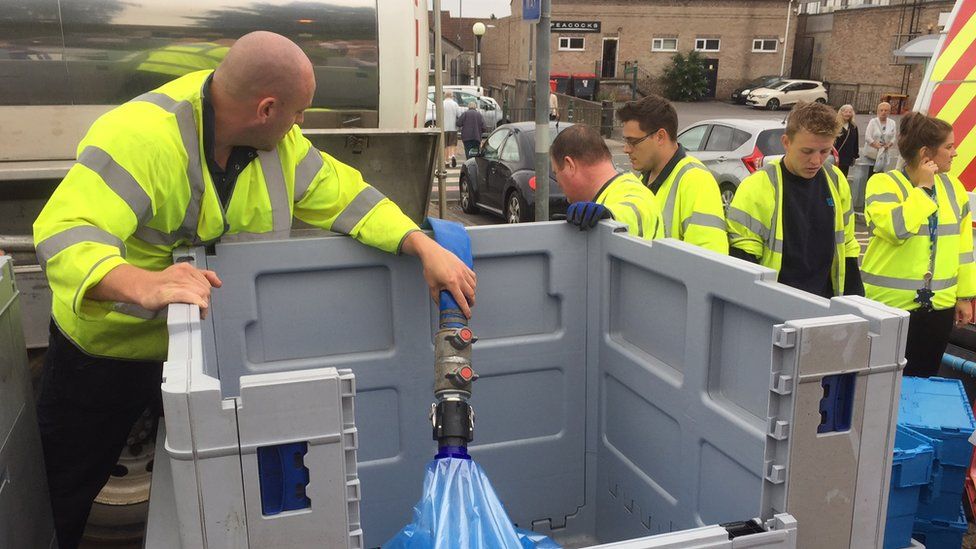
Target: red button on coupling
(466, 373)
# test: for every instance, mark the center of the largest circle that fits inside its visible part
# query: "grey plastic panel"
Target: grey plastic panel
(25, 509)
(309, 303)
(625, 384)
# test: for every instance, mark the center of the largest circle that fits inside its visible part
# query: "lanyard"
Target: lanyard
(924, 295)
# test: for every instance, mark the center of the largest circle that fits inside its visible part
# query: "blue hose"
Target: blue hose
(959, 363)
(454, 238)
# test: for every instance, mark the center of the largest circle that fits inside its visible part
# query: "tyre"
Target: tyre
(118, 514)
(727, 191)
(429, 124)
(515, 211)
(772, 104)
(821, 100)
(466, 198)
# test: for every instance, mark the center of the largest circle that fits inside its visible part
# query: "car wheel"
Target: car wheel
(466, 199)
(727, 191)
(515, 208)
(821, 100)
(429, 124)
(772, 104)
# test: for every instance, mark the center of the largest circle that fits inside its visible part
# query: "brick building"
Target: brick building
(743, 39)
(850, 46)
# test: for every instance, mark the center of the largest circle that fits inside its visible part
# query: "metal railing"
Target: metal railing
(863, 97)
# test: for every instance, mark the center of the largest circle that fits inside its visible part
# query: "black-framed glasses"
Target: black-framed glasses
(634, 142)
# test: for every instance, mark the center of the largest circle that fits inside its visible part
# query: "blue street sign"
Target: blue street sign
(531, 10)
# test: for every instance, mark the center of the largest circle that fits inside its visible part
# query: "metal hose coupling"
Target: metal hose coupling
(452, 417)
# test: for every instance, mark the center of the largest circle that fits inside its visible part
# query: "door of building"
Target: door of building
(609, 63)
(711, 73)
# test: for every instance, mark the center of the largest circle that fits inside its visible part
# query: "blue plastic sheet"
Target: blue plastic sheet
(459, 510)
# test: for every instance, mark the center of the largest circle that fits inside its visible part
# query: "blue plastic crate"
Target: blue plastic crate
(942, 534)
(911, 470)
(938, 408)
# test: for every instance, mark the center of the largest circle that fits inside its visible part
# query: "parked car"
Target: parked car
(739, 96)
(787, 92)
(733, 148)
(500, 178)
(489, 108)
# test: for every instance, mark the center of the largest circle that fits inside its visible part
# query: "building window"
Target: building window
(764, 45)
(570, 43)
(664, 44)
(707, 44)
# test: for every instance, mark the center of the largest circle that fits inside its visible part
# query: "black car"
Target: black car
(500, 177)
(740, 95)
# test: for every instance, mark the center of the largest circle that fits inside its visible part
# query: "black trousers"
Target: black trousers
(470, 145)
(85, 411)
(928, 336)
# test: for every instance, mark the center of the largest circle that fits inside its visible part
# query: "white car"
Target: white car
(490, 110)
(787, 92)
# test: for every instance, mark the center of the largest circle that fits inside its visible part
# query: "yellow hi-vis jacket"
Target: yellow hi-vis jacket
(632, 204)
(691, 206)
(140, 188)
(178, 59)
(756, 219)
(899, 256)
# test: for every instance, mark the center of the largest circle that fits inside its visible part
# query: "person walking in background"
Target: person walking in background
(879, 139)
(553, 106)
(920, 256)
(451, 112)
(472, 125)
(847, 140)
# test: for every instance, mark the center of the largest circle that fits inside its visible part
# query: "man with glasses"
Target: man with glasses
(685, 190)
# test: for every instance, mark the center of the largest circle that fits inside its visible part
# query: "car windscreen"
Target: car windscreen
(770, 142)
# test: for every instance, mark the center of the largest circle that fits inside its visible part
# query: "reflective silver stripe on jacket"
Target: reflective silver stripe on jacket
(306, 171)
(274, 179)
(703, 220)
(951, 195)
(906, 283)
(751, 223)
(136, 311)
(773, 173)
(668, 213)
(882, 197)
(640, 220)
(183, 110)
(898, 223)
(54, 244)
(356, 210)
(965, 257)
(119, 180)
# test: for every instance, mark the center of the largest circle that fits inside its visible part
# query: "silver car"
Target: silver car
(489, 108)
(733, 148)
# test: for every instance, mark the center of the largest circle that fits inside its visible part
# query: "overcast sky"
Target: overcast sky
(475, 8)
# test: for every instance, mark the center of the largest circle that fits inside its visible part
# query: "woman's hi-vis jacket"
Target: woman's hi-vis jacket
(899, 254)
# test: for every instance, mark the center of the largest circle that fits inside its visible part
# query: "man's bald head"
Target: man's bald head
(262, 64)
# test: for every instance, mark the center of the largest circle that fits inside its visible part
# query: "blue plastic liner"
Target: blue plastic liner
(459, 510)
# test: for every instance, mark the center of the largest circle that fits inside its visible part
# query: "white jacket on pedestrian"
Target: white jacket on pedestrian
(878, 133)
(451, 111)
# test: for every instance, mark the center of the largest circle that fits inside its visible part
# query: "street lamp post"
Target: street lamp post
(479, 30)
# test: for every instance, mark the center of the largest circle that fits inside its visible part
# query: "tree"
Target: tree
(686, 78)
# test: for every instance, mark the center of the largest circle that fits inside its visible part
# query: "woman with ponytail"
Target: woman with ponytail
(920, 256)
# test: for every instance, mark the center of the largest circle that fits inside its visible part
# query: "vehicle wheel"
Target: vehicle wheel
(515, 208)
(727, 191)
(466, 199)
(821, 100)
(773, 104)
(118, 513)
(429, 124)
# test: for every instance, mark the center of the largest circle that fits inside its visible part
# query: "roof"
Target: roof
(744, 123)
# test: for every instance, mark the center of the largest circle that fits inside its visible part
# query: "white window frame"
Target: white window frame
(703, 42)
(762, 42)
(569, 41)
(657, 44)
